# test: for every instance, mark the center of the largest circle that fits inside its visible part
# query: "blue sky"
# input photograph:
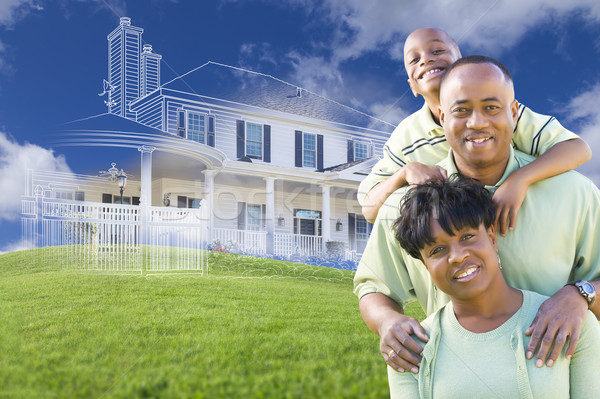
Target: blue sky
(53, 61)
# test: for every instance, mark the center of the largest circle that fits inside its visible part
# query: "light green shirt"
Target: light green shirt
(418, 138)
(555, 240)
(458, 363)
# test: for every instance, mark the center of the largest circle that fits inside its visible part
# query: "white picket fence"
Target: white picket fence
(114, 237)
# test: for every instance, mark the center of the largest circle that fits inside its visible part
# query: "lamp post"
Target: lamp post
(122, 180)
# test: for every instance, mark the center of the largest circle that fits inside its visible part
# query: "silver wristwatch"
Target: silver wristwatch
(586, 289)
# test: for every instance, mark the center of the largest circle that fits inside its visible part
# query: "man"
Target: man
(555, 242)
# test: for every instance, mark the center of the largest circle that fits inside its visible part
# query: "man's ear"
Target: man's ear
(441, 115)
(414, 92)
(514, 108)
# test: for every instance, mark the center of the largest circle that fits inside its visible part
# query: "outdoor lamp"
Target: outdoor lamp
(281, 221)
(339, 226)
(122, 180)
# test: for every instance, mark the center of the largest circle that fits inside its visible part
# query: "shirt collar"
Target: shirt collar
(511, 166)
(429, 124)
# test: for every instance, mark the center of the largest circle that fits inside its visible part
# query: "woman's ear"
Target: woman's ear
(491, 231)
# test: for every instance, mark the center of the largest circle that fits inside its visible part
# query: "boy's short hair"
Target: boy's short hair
(455, 203)
(477, 59)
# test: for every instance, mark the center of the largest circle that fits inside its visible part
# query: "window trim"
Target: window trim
(187, 127)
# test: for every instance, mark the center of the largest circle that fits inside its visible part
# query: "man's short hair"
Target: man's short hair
(477, 59)
(455, 203)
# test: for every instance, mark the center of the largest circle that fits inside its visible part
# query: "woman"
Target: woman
(477, 344)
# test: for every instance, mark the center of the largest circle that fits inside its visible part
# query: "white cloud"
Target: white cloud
(15, 160)
(584, 109)
(361, 27)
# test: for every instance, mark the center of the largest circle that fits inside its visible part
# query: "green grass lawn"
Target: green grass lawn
(254, 328)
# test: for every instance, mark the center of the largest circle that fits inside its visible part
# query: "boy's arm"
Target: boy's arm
(411, 173)
(561, 157)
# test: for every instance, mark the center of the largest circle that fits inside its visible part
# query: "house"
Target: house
(276, 165)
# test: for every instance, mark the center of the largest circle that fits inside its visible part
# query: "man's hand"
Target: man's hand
(508, 198)
(559, 317)
(398, 348)
(418, 173)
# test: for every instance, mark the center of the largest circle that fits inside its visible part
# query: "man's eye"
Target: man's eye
(468, 236)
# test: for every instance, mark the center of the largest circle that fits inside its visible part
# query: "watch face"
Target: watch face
(588, 288)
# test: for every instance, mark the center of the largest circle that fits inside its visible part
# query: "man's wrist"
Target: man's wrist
(586, 290)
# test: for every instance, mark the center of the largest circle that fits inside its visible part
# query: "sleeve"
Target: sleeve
(382, 267)
(587, 260)
(393, 159)
(585, 363)
(402, 385)
(536, 133)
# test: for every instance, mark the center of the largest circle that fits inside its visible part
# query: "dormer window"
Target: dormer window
(196, 126)
(359, 149)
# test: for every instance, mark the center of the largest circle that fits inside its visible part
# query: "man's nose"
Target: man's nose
(477, 120)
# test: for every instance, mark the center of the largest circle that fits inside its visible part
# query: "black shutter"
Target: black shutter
(263, 217)
(298, 147)
(181, 123)
(352, 231)
(241, 138)
(181, 201)
(267, 143)
(319, 151)
(107, 198)
(241, 216)
(350, 151)
(210, 137)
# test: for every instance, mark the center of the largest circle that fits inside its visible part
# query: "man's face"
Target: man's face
(427, 53)
(478, 112)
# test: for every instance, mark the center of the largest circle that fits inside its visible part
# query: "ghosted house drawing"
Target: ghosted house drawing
(276, 166)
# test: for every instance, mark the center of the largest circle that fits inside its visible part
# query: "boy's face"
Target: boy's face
(427, 54)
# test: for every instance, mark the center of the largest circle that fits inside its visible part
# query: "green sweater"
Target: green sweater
(458, 363)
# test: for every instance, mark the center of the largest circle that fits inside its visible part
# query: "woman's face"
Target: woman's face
(464, 264)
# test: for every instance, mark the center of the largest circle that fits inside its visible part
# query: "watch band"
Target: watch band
(586, 290)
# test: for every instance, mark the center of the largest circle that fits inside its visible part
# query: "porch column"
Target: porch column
(326, 217)
(209, 195)
(270, 213)
(146, 178)
(146, 196)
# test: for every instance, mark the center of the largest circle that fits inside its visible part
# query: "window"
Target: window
(307, 222)
(253, 217)
(358, 150)
(361, 150)
(254, 140)
(187, 202)
(362, 228)
(309, 150)
(196, 127)
(66, 195)
(116, 199)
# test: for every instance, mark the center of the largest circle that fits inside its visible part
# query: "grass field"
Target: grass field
(254, 328)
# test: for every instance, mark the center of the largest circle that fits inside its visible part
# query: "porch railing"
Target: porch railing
(115, 237)
(244, 241)
(297, 244)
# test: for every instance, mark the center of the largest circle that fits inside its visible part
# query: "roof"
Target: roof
(241, 86)
(343, 166)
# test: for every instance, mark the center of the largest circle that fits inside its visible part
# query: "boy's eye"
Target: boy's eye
(439, 51)
(416, 59)
(468, 236)
(435, 251)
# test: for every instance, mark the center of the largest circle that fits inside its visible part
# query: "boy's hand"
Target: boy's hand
(418, 173)
(508, 198)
